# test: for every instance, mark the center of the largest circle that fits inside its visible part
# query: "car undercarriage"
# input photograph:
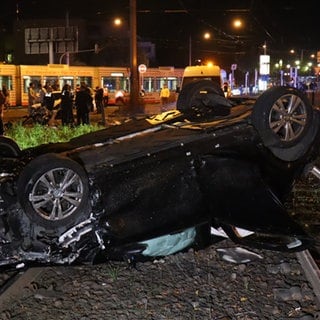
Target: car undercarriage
(157, 185)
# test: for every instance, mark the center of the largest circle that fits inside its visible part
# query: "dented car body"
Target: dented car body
(157, 185)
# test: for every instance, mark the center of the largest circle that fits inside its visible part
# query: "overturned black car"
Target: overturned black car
(156, 185)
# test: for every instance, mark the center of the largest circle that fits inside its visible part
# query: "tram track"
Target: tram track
(16, 282)
(13, 282)
(311, 270)
(8, 280)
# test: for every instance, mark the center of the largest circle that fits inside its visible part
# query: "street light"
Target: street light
(117, 21)
(237, 23)
(207, 35)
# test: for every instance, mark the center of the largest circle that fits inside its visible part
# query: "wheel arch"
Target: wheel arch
(301, 123)
(31, 176)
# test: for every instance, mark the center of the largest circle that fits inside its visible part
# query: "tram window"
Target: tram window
(29, 79)
(116, 83)
(86, 80)
(160, 82)
(154, 84)
(67, 80)
(172, 83)
(148, 84)
(53, 82)
(7, 81)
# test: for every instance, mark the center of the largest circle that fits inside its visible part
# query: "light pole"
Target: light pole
(67, 53)
(206, 36)
(264, 48)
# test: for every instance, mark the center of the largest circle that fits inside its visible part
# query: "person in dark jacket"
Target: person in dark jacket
(66, 105)
(2, 102)
(98, 99)
(48, 104)
(48, 99)
(6, 93)
(83, 104)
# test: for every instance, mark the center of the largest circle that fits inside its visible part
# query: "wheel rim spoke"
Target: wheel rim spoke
(57, 194)
(288, 117)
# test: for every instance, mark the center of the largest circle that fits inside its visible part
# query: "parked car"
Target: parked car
(156, 185)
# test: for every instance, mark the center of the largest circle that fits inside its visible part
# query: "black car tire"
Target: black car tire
(54, 191)
(201, 93)
(284, 119)
(8, 147)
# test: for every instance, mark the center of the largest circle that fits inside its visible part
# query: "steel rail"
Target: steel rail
(13, 286)
(312, 272)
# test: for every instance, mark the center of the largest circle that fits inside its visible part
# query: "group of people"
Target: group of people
(82, 100)
(46, 98)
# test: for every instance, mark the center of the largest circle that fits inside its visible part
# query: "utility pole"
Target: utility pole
(67, 27)
(134, 76)
(190, 50)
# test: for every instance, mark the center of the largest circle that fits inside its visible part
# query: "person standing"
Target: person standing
(105, 96)
(48, 103)
(32, 96)
(164, 95)
(83, 102)
(42, 93)
(2, 102)
(6, 94)
(98, 99)
(67, 105)
(225, 89)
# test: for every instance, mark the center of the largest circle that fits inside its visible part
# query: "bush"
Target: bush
(27, 137)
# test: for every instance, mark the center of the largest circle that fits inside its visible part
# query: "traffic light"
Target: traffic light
(96, 48)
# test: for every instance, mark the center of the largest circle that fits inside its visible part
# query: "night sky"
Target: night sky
(170, 24)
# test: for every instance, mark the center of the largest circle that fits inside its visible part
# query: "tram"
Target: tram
(17, 78)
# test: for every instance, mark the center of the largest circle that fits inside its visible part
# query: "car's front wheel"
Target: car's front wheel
(54, 191)
(285, 120)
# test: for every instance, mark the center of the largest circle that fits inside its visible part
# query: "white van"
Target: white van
(212, 72)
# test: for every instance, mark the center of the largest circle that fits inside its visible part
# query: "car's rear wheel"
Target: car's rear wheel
(285, 120)
(8, 147)
(54, 191)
